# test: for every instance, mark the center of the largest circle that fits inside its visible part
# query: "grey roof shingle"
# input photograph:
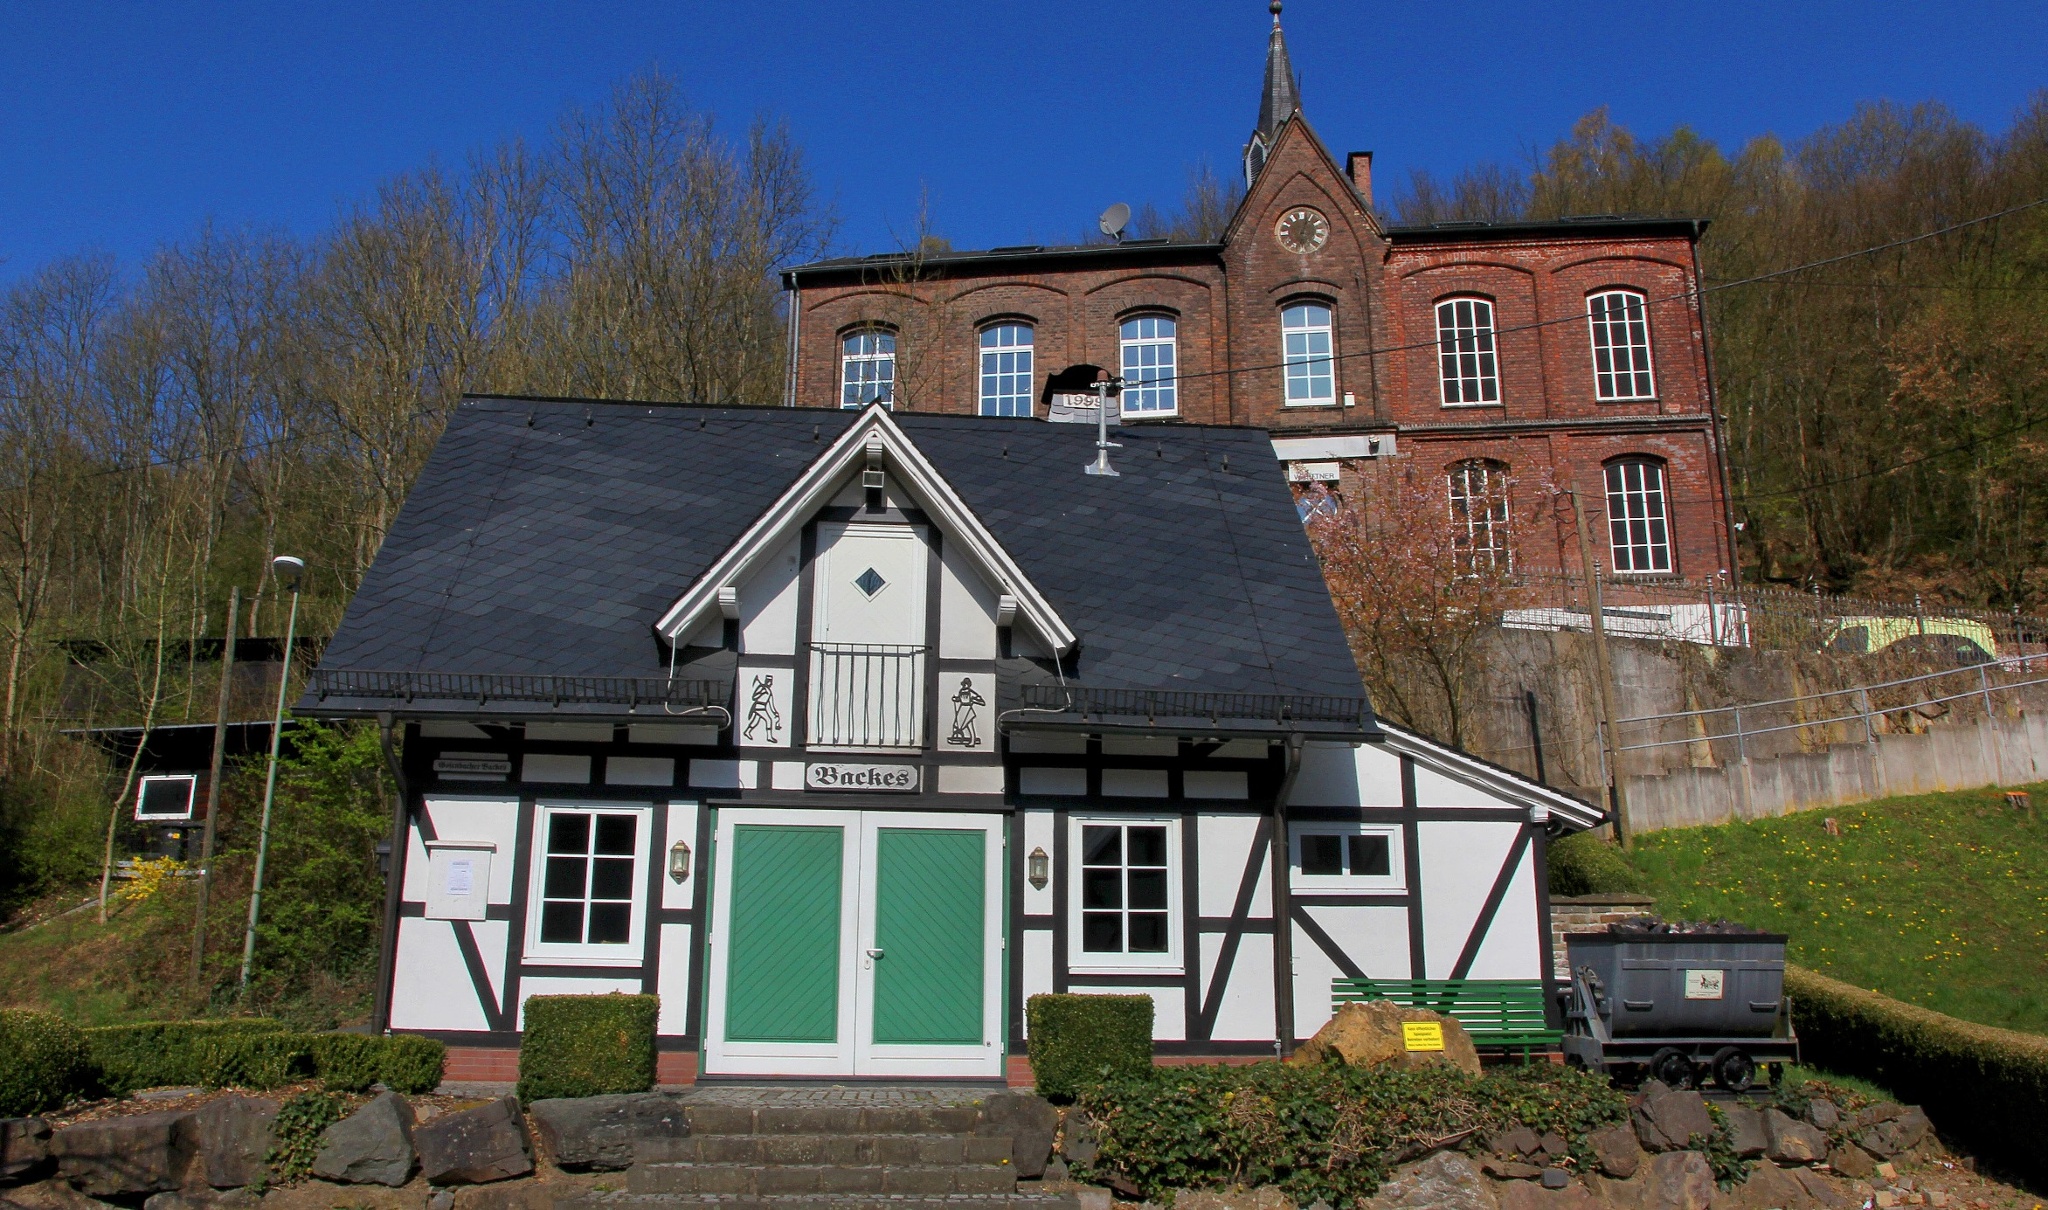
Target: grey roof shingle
(546, 537)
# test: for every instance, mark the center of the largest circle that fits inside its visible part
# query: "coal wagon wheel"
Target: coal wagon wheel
(1672, 1067)
(1732, 1068)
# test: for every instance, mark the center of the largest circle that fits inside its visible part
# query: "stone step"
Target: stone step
(822, 1149)
(831, 1119)
(746, 1179)
(823, 1201)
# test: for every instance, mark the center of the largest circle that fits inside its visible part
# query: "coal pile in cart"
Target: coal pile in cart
(1684, 1003)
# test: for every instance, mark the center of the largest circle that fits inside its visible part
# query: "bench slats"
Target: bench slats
(1495, 1012)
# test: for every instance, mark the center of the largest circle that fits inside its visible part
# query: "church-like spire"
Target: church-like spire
(1277, 102)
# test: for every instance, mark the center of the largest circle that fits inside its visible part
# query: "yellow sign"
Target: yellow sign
(1422, 1035)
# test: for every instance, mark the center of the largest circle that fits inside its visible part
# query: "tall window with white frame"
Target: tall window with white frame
(1307, 350)
(1638, 526)
(867, 372)
(1150, 365)
(1621, 346)
(1466, 361)
(589, 877)
(1125, 899)
(1479, 517)
(1006, 369)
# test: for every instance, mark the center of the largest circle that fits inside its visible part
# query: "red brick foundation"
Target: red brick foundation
(478, 1065)
(675, 1067)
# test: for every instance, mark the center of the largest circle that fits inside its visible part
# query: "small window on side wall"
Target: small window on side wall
(1348, 857)
(1621, 346)
(589, 901)
(166, 796)
(1126, 896)
(867, 368)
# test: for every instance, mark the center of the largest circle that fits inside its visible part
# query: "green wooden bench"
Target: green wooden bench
(1505, 1013)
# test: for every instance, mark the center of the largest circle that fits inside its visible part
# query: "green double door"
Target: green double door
(855, 943)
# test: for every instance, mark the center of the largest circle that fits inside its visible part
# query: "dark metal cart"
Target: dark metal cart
(1681, 1007)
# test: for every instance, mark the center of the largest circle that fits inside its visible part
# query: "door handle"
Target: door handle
(874, 953)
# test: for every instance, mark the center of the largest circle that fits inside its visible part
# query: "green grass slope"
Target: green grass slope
(1939, 900)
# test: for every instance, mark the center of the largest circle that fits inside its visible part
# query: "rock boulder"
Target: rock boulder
(1030, 1121)
(1746, 1131)
(1077, 1138)
(586, 1134)
(372, 1146)
(122, 1157)
(1853, 1162)
(24, 1149)
(1667, 1119)
(1444, 1181)
(1896, 1134)
(475, 1146)
(1790, 1142)
(1680, 1180)
(1616, 1151)
(233, 1134)
(1369, 1035)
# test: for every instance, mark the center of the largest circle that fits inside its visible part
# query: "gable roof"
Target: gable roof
(1572, 812)
(545, 539)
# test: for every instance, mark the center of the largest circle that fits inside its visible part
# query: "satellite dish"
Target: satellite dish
(1113, 221)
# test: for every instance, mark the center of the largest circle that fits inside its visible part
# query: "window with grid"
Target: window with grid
(1465, 355)
(1348, 857)
(589, 877)
(1306, 347)
(1126, 892)
(1006, 370)
(1479, 515)
(1149, 365)
(867, 369)
(1621, 345)
(1637, 524)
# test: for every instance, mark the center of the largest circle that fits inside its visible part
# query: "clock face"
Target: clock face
(1302, 230)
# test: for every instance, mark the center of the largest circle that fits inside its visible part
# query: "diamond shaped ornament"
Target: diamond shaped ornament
(870, 582)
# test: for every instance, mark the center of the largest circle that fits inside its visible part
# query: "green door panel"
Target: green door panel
(782, 971)
(930, 898)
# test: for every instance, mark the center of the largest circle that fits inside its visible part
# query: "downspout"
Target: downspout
(1283, 908)
(796, 323)
(394, 880)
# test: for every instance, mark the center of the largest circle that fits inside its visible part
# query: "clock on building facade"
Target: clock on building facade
(1302, 230)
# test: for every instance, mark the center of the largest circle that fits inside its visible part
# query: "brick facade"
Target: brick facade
(1382, 285)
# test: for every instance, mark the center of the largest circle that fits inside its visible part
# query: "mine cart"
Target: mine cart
(1681, 1006)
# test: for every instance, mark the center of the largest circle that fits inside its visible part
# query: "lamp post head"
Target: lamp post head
(290, 571)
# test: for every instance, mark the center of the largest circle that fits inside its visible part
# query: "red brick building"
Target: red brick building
(1506, 360)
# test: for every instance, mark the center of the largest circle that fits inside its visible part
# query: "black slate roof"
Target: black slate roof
(545, 538)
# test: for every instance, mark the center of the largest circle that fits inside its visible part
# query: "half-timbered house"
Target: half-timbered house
(845, 732)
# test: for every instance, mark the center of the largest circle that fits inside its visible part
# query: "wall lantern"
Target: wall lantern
(1038, 868)
(679, 862)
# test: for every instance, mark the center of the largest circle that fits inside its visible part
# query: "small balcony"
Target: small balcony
(867, 695)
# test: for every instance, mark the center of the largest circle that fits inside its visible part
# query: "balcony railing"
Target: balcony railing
(867, 695)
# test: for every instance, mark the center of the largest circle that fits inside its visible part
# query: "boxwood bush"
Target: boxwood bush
(585, 1046)
(1585, 864)
(43, 1062)
(1079, 1041)
(257, 1053)
(1982, 1086)
(1321, 1131)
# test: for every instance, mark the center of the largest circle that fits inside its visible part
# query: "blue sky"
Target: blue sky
(124, 125)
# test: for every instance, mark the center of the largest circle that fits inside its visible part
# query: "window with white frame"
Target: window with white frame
(1479, 516)
(1348, 857)
(166, 796)
(1126, 904)
(1466, 362)
(1621, 345)
(1150, 365)
(1307, 350)
(867, 368)
(1638, 526)
(1006, 370)
(589, 901)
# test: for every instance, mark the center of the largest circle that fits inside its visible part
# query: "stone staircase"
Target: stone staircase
(849, 1157)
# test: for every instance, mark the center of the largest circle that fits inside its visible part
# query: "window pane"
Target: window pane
(1102, 888)
(1148, 888)
(1101, 846)
(1148, 846)
(1148, 932)
(1620, 327)
(568, 832)
(1322, 855)
(565, 878)
(610, 923)
(1371, 854)
(615, 834)
(611, 878)
(562, 923)
(1102, 933)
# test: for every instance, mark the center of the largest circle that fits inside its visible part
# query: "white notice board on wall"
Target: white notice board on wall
(458, 879)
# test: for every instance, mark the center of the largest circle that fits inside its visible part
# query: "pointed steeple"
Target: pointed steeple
(1278, 102)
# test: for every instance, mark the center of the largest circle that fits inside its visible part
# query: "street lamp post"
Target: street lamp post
(290, 571)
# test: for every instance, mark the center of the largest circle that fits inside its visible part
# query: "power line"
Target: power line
(1896, 467)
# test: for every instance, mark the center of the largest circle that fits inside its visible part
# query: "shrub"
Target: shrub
(1982, 1086)
(295, 1136)
(1321, 1131)
(249, 1052)
(43, 1062)
(585, 1046)
(1079, 1041)
(1584, 864)
(412, 1064)
(348, 1062)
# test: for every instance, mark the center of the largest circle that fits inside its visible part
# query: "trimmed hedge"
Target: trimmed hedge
(586, 1046)
(257, 1053)
(43, 1062)
(402, 1062)
(1585, 864)
(1984, 1087)
(1077, 1042)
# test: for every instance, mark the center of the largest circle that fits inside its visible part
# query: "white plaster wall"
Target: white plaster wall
(967, 609)
(1459, 862)
(1246, 1011)
(1038, 834)
(1037, 964)
(492, 820)
(768, 605)
(1433, 789)
(682, 826)
(673, 982)
(430, 981)
(1513, 945)
(1347, 775)
(1225, 843)
(494, 946)
(1374, 937)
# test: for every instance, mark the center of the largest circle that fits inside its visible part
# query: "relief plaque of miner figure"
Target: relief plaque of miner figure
(966, 716)
(761, 712)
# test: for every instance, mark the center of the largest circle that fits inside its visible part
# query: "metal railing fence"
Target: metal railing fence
(867, 695)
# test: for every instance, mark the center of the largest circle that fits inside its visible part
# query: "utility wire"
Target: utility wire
(1859, 476)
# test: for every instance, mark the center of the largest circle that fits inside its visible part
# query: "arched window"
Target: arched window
(1621, 345)
(1150, 365)
(1006, 370)
(1479, 516)
(867, 368)
(1306, 347)
(1465, 355)
(1638, 523)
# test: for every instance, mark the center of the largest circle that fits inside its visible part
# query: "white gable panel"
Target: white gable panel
(1433, 789)
(967, 610)
(1513, 946)
(1459, 862)
(1328, 777)
(768, 605)
(1379, 775)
